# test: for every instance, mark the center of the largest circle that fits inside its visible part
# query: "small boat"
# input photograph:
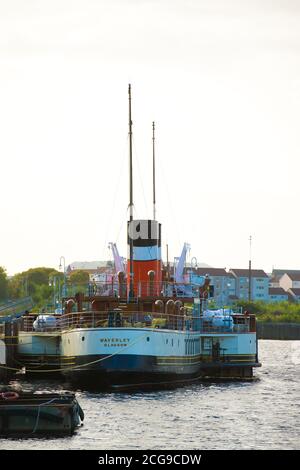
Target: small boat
(33, 414)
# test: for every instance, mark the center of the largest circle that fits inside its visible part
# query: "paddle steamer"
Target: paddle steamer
(142, 327)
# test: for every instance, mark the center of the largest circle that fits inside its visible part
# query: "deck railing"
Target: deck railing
(141, 289)
(119, 319)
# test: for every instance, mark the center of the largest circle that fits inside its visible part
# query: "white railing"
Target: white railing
(123, 319)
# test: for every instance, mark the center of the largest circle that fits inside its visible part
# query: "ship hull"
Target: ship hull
(128, 374)
(128, 371)
(124, 358)
(39, 352)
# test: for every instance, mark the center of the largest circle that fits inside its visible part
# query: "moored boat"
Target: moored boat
(144, 327)
(33, 414)
(147, 328)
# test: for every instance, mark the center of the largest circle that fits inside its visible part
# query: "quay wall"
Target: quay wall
(2, 359)
(285, 331)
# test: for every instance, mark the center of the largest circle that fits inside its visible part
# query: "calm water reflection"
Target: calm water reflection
(264, 414)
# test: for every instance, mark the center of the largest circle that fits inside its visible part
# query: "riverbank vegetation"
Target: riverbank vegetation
(285, 312)
(37, 283)
(44, 285)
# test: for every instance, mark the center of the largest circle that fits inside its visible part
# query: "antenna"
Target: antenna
(250, 273)
(153, 154)
(131, 292)
(130, 157)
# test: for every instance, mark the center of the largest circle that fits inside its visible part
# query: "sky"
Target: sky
(221, 80)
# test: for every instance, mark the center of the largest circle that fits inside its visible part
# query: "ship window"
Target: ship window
(172, 341)
(167, 341)
(207, 343)
(148, 339)
(83, 338)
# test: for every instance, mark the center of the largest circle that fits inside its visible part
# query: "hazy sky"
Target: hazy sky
(222, 81)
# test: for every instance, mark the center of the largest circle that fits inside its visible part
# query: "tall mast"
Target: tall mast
(250, 269)
(131, 292)
(130, 157)
(153, 154)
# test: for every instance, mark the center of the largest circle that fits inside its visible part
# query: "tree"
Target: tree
(3, 284)
(79, 277)
(34, 283)
(40, 276)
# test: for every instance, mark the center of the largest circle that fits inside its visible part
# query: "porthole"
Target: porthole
(83, 338)
(148, 339)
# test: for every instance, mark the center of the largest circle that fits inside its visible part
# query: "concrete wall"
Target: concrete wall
(3, 372)
(270, 330)
(2, 352)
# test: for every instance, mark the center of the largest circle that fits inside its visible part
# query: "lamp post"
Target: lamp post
(225, 294)
(25, 286)
(52, 283)
(62, 258)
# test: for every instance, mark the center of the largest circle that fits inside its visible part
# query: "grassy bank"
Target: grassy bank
(277, 312)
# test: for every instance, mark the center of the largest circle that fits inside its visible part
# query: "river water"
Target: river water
(263, 414)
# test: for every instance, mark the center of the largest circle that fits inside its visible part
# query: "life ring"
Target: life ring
(9, 395)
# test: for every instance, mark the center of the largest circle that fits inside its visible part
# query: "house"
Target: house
(290, 280)
(277, 294)
(91, 267)
(259, 284)
(278, 273)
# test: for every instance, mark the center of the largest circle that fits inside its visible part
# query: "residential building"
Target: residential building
(278, 273)
(277, 294)
(290, 281)
(91, 267)
(259, 284)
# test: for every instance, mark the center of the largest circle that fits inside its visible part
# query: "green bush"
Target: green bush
(285, 312)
